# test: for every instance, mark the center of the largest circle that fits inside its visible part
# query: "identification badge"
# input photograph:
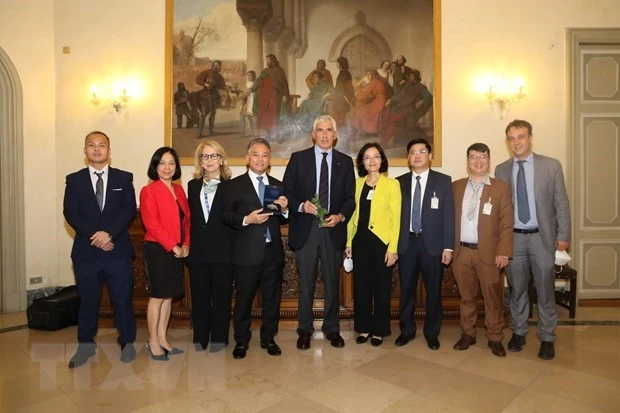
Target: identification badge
(487, 208)
(434, 201)
(370, 194)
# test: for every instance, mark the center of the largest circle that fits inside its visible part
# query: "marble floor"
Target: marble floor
(584, 376)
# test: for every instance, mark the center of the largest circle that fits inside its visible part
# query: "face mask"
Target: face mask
(348, 264)
(561, 258)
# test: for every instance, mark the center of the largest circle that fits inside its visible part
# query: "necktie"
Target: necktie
(474, 201)
(324, 183)
(99, 190)
(416, 216)
(522, 200)
(261, 196)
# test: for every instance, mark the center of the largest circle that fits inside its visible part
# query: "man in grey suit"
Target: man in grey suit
(542, 225)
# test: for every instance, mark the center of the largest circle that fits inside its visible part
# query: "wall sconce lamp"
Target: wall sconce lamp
(117, 100)
(503, 95)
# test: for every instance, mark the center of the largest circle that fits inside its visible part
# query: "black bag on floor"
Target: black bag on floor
(57, 311)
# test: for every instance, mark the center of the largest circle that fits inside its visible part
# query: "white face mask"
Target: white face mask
(348, 264)
(562, 258)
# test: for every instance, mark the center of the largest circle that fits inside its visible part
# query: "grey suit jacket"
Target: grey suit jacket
(552, 207)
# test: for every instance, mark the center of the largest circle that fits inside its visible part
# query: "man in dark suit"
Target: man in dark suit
(328, 173)
(483, 244)
(541, 225)
(426, 241)
(258, 254)
(99, 205)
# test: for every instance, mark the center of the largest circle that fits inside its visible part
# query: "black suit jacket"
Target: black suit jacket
(211, 241)
(82, 213)
(437, 224)
(300, 186)
(249, 241)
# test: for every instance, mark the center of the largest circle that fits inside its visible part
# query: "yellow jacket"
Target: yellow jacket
(384, 212)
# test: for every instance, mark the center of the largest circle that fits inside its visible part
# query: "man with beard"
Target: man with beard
(212, 82)
(272, 101)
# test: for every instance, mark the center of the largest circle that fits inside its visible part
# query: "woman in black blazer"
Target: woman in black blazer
(210, 259)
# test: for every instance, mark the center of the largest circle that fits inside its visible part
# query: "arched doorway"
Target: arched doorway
(12, 243)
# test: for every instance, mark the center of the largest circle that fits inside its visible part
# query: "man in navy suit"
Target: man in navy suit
(99, 205)
(426, 240)
(303, 178)
(258, 254)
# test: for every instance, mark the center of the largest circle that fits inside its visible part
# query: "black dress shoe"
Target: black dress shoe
(335, 339)
(215, 347)
(240, 350)
(516, 343)
(433, 343)
(303, 342)
(81, 356)
(200, 346)
(361, 339)
(272, 348)
(497, 348)
(128, 352)
(464, 342)
(376, 341)
(403, 339)
(547, 350)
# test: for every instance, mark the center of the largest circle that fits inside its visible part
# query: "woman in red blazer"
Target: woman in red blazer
(165, 214)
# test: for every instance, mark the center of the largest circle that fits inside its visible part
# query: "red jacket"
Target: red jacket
(160, 214)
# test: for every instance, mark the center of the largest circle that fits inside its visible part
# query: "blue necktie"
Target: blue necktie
(522, 200)
(416, 216)
(261, 196)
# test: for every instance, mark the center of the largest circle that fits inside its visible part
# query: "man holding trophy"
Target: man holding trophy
(319, 184)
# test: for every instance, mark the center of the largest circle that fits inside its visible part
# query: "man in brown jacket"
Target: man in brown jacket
(484, 220)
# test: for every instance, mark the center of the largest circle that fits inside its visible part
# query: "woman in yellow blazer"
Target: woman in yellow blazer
(372, 242)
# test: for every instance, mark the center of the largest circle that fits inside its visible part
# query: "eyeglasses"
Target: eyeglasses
(478, 157)
(206, 156)
(420, 152)
(374, 157)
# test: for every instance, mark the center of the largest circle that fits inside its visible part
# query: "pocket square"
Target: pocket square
(117, 189)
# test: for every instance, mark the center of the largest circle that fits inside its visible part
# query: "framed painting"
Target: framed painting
(237, 69)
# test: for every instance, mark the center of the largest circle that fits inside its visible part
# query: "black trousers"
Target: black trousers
(211, 288)
(372, 284)
(267, 275)
(414, 261)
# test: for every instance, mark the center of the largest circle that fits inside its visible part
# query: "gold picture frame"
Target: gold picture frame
(184, 141)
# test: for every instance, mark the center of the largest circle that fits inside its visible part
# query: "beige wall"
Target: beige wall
(126, 38)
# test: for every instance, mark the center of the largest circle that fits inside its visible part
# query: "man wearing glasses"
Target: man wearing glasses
(483, 244)
(426, 240)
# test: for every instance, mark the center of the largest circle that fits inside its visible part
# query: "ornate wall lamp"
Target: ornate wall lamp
(503, 93)
(116, 98)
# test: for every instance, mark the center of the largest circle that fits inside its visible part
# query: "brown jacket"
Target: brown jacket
(495, 235)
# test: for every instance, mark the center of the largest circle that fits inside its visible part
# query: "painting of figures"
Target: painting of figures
(268, 68)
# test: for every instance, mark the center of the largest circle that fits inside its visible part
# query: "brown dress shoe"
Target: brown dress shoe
(497, 348)
(465, 341)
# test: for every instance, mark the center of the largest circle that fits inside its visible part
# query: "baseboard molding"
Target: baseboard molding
(600, 303)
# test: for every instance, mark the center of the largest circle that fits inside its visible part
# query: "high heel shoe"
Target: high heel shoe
(173, 351)
(156, 357)
(362, 338)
